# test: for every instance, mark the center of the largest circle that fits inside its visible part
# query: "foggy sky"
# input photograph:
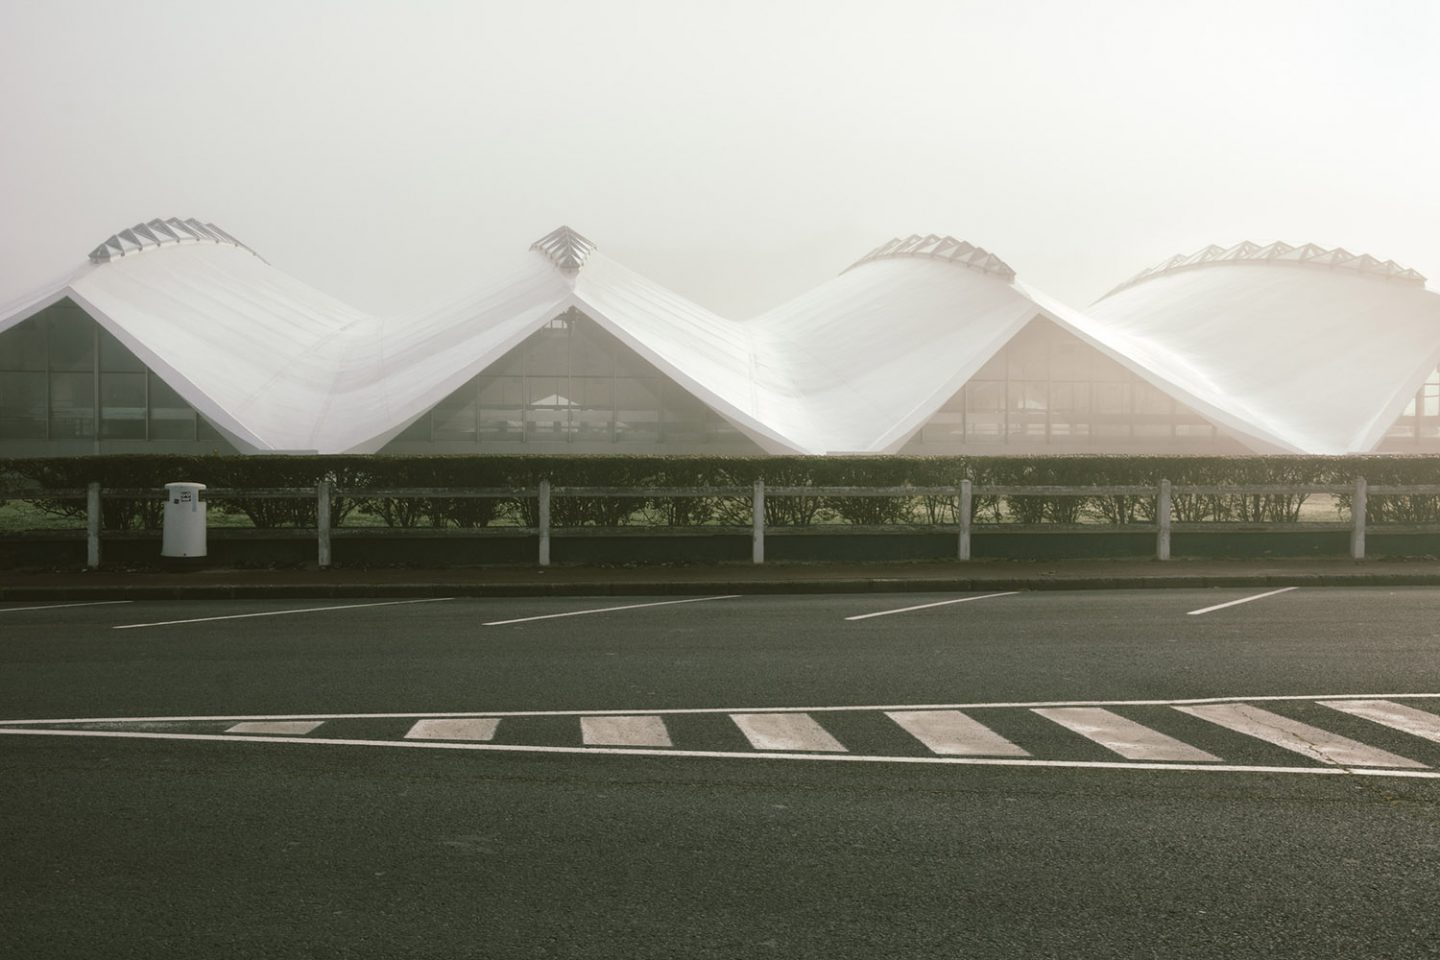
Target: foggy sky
(739, 153)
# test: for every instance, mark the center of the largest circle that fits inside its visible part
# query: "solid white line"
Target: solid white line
(1299, 737)
(61, 606)
(1232, 603)
(281, 613)
(1131, 740)
(481, 729)
(952, 733)
(785, 731)
(637, 731)
(736, 755)
(628, 606)
(1419, 723)
(667, 711)
(927, 606)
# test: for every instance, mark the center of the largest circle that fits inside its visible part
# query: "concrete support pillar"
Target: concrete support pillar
(544, 510)
(757, 523)
(967, 507)
(92, 525)
(322, 524)
(1162, 518)
(1358, 510)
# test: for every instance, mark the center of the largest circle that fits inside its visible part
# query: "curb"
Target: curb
(280, 591)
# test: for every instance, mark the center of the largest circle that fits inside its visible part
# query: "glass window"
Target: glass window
(72, 339)
(683, 415)
(594, 409)
(592, 351)
(171, 418)
(115, 357)
(22, 347)
(418, 429)
(454, 418)
(22, 406)
(547, 352)
(547, 408)
(122, 406)
(72, 406)
(500, 405)
(1111, 399)
(637, 409)
(205, 430)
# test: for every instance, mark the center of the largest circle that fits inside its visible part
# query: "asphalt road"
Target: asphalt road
(179, 835)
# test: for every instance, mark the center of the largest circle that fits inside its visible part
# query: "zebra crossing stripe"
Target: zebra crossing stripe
(1125, 737)
(1396, 715)
(480, 728)
(1293, 735)
(785, 731)
(952, 733)
(641, 731)
(292, 728)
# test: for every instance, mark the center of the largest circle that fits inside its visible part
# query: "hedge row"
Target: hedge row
(376, 472)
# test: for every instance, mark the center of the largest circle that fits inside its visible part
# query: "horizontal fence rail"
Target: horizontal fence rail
(962, 496)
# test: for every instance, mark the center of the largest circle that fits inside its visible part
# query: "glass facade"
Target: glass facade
(573, 384)
(1047, 390)
(64, 378)
(1418, 427)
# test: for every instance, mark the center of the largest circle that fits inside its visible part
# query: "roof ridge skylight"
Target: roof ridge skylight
(1305, 255)
(933, 247)
(566, 248)
(159, 233)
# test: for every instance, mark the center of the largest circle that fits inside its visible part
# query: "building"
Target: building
(176, 337)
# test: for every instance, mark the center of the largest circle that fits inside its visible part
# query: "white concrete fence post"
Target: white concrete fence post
(544, 531)
(1358, 509)
(757, 523)
(1162, 516)
(967, 501)
(322, 524)
(92, 525)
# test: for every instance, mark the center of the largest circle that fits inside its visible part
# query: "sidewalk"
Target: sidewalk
(772, 578)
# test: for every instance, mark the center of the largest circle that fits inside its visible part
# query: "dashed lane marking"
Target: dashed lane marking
(952, 733)
(61, 606)
(927, 606)
(1293, 735)
(785, 731)
(628, 606)
(280, 613)
(482, 728)
(636, 731)
(1236, 603)
(292, 728)
(1125, 737)
(737, 755)
(1396, 715)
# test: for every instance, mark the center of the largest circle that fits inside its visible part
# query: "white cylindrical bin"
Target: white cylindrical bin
(184, 531)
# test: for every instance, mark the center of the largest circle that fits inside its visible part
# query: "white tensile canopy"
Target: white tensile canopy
(1315, 357)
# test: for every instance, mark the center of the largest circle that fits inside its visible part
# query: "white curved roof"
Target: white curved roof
(1315, 360)
(1322, 358)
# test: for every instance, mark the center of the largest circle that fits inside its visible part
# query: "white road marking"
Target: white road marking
(852, 708)
(61, 606)
(1232, 603)
(637, 731)
(294, 728)
(927, 606)
(736, 755)
(1131, 740)
(952, 733)
(628, 606)
(785, 731)
(1293, 735)
(1420, 723)
(437, 729)
(281, 613)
